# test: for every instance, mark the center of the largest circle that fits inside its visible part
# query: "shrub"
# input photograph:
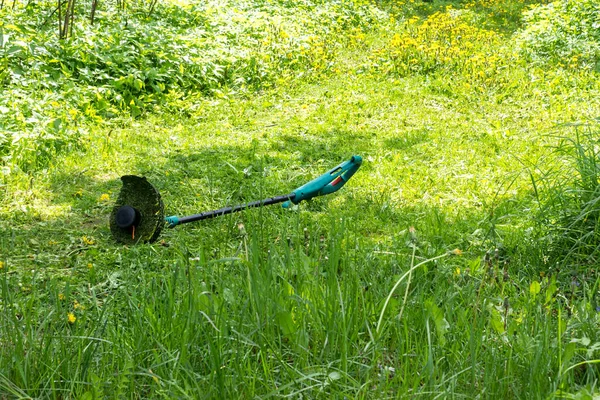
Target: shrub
(131, 61)
(565, 32)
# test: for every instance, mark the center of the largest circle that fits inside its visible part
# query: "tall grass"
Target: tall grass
(571, 209)
(306, 315)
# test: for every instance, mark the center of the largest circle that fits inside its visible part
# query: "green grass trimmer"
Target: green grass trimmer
(139, 216)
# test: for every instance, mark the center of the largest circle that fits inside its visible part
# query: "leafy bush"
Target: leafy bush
(131, 61)
(498, 15)
(565, 32)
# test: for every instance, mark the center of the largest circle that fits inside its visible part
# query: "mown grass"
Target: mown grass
(290, 303)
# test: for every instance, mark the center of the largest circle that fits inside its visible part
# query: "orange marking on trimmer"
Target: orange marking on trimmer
(336, 181)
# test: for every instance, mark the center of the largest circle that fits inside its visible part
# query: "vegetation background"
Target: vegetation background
(460, 261)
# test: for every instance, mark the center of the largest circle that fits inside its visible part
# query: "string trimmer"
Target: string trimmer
(138, 215)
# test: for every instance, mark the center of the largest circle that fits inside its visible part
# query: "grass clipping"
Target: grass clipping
(138, 193)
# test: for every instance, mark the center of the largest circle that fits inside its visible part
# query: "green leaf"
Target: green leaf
(14, 51)
(496, 321)
(569, 352)
(87, 396)
(286, 322)
(441, 325)
(56, 124)
(138, 84)
(534, 288)
(550, 291)
(334, 376)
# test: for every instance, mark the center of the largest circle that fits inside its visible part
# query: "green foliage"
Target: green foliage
(428, 275)
(564, 33)
(498, 15)
(129, 63)
(570, 213)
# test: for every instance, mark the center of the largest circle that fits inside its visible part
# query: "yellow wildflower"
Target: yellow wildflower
(71, 318)
(88, 241)
(154, 377)
(61, 296)
(1, 265)
(104, 197)
(456, 252)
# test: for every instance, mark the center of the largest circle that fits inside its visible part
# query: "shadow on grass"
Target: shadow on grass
(218, 175)
(504, 17)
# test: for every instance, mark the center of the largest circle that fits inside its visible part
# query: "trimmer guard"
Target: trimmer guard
(138, 193)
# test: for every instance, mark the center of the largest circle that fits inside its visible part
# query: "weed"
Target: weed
(571, 212)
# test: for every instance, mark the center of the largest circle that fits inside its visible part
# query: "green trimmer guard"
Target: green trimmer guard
(138, 215)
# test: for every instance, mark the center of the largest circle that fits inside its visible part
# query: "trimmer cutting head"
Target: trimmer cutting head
(138, 215)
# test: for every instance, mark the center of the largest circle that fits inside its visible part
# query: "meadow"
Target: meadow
(461, 261)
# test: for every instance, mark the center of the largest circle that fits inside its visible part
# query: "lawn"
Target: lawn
(458, 262)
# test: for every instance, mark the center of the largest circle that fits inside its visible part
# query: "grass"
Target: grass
(360, 294)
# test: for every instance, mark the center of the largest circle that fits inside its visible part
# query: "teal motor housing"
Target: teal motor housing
(329, 182)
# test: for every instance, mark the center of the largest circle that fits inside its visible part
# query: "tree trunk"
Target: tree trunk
(72, 17)
(67, 21)
(59, 19)
(93, 13)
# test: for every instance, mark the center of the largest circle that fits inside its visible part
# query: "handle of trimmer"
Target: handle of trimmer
(327, 183)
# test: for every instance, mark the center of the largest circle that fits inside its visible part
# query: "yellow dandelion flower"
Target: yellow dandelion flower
(78, 306)
(104, 197)
(90, 266)
(88, 241)
(71, 318)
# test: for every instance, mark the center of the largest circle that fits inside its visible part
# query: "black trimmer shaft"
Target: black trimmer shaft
(174, 221)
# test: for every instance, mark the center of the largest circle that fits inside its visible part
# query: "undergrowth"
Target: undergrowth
(570, 210)
(127, 63)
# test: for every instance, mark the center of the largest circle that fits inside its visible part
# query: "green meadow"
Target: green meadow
(460, 261)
